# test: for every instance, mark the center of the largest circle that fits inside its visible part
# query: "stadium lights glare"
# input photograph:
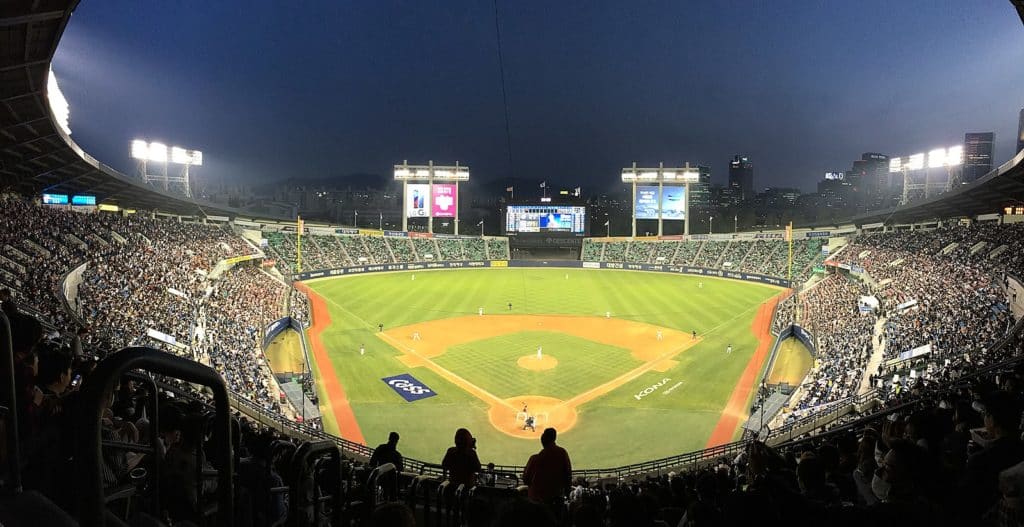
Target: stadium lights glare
(955, 155)
(437, 172)
(915, 162)
(58, 104)
(630, 175)
(937, 158)
(159, 153)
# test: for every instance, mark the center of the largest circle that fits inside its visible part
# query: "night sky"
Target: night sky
(270, 90)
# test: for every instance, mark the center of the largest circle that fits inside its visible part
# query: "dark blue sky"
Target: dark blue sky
(277, 89)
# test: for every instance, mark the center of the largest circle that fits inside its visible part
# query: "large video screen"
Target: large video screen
(546, 219)
(444, 200)
(83, 200)
(55, 199)
(417, 200)
(673, 202)
(647, 202)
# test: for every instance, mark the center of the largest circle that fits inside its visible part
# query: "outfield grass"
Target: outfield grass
(613, 430)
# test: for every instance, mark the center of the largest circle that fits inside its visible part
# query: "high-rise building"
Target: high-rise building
(1020, 132)
(741, 178)
(700, 192)
(977, 155)
(877, 172)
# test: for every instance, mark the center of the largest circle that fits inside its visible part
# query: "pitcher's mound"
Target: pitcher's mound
(531, 362)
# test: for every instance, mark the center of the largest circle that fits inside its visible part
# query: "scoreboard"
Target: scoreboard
(564, 220)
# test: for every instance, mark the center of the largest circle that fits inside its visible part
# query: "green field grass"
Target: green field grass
(582, 364)
(613, 430)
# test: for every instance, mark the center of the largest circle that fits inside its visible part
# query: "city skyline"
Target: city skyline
(340, 90)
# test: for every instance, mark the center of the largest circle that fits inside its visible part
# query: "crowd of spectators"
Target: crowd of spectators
(844, 342)
(242, 303)
(937, 290)
(591, 250)
(451, 249)
(686, 253)
(425, 247)
(497, 249)
(475, 248)
(735, 253)
(951, 457)
(762, 256)
(402, 248)
(709, 254)
(377, 249)
(639, 252)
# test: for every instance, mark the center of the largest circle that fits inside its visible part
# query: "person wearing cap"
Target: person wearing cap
(1002, 412)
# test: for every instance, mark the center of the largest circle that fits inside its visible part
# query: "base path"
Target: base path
(739, 402)
(422, 342)
(336, 402)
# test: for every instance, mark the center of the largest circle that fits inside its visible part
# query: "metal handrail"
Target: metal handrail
(302, 470)
(95, 395)
(9, 402)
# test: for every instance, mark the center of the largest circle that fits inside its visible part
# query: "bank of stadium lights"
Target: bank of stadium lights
(662, 176)
(155, 152)
(58, 104)
(947, 158)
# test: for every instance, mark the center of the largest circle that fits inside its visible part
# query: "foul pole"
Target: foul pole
(789, 238)
(298, 244)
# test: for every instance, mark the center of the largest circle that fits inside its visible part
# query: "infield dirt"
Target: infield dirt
(422, 342)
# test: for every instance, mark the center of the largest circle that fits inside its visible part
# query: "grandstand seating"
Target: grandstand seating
(765, 257)
(134, 262)
(331, 252)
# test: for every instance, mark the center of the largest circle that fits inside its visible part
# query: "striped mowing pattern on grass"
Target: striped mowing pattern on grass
(614, 429)
(582, 364)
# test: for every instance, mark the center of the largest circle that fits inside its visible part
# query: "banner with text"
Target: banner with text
(444, 200)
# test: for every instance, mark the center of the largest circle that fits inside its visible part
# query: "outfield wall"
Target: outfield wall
(569, 264)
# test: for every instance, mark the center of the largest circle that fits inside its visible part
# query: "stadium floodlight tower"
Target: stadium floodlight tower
(153, 152)
(434, 192)
(948, 158)
(671, 177)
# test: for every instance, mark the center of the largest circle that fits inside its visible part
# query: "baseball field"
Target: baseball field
(609, 358)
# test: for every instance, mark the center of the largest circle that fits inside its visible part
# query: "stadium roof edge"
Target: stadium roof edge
(36, 155)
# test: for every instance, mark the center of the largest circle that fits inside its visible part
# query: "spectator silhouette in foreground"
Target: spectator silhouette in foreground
(388, 453)
(548, 473)
(460, 461)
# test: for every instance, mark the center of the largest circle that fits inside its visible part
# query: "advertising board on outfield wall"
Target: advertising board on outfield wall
(575, 264)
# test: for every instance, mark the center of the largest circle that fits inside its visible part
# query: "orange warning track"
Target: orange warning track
(348, 427)
(736, 408)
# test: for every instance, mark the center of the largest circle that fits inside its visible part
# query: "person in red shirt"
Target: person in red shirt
(548, 473)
